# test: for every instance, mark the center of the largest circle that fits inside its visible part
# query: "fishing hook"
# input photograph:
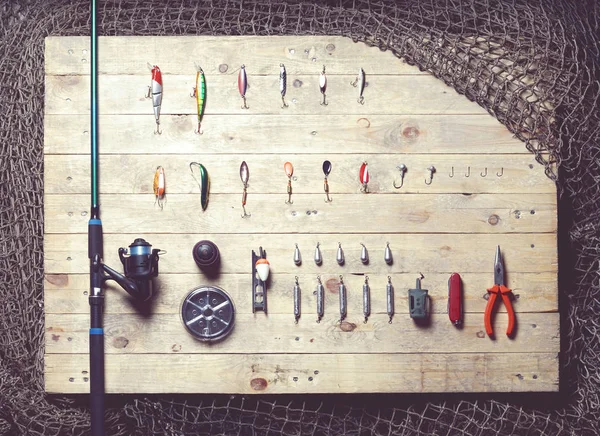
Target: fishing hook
(451, 173)
(431, 170)
(501, 172)
(468, 174)
(245, 215)
(193, 95)
(245, 106)
(323, 86)
(482, 174)
(157, 131)
(402, 169)
(284, 105)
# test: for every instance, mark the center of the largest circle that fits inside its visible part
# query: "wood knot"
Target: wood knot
(176, 348)
(120, 342)
(346, 326)
(411, 132)
(58, 279)
(480, 334)
(223, 68)
(55, 337)
(494, 220)
(258, 384)
(332, 285)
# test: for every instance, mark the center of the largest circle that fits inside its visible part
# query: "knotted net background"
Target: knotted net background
(533, 65)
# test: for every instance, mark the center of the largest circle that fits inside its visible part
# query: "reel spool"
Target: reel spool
(208, 313)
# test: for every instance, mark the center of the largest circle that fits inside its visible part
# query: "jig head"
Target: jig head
(431, 170)
(318, 257)
(363, 176)
(366, 299)
(199, 92)
(297, 256)
(243, 85)
(296, 300)
(339, 257)
(203, 183)
(360, 83)
(289, 172)
(244, 176)
(326, 171)
(155, 92)
(402, 168)
(364, 254)
(283, 85)
(323, 86)
(320, 299)
(159, 187)
(388, 254)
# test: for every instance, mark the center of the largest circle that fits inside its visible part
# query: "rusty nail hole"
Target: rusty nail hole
(330, 47)
(85, 292)
(69, 178)
(84, 372)
(480, 334)
(532, 212)
(70, 213)
(533, 326)
(297, 83)
(519, 376)
(297, 338)
(71, 379)
(85, 132)
(535, 376)
(316, 372)
(84, 60)
(314, 132)
(314, 59)
(532, 245)
(308, 212)
(531, 166)
(69, 339)
(314, 212)
(85, 379)
(310, 379)
(69, 258)
(294, 213)
(67, 99)
(223, 68)
(306, 51)
(295, 379)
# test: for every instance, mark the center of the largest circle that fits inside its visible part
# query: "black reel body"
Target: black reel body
(208, 313)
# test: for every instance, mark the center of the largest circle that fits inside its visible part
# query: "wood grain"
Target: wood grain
(308, 373)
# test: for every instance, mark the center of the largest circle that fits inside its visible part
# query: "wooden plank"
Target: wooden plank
(134, 174)
(390, 134)
(436, 253)
(534, 292)
(294, 374)
(410, 213)
(261, 54)
(260, 333)
(386, 95)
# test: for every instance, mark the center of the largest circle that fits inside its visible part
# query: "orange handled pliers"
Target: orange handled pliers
(499, 288)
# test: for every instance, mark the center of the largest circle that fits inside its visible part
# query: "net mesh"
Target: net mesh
(532, 65)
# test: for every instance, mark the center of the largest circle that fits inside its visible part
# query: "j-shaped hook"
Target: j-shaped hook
(501, 172)
(431, 170)
(451, 173)
(402, 169)
(468, 173)
(484, 174)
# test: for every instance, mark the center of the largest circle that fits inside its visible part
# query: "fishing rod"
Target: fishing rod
(140, 261)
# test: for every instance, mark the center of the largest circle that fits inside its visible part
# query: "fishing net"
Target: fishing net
(533, 65)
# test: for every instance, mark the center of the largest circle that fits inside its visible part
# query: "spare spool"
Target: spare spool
(208, 313)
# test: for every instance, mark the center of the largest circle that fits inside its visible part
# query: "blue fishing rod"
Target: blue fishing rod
(140, 261)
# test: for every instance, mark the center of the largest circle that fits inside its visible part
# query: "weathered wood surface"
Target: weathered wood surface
(309, 373)
(452, 225)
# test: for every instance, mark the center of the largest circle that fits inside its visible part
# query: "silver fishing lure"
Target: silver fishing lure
(282, 84)
(243, 85)
(360, 83)
(339, 257)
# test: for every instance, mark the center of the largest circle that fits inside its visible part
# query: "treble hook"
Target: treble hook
(157, 131)
(245, 215)
(199, 131)
(501, 172)
(431, 170)
(468, 174)
(402, 169)
(284, 104)
(289, 191)
(326, 188)
(244, 197)
(245, 106)
(482, 174)
(354, 82)
(361, 100)
(451, 173)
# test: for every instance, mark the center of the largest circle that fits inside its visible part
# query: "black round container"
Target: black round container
(208, 313)
(206, 255)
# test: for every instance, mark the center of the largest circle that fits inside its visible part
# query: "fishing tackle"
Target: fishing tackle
(360, 82)
(155, 92)
(297, 300)
(468, 173)
(326, 171)
(402, 169)
(339, 257)
(297, 256)
(159, 187)
(289, 172)
(244, 176)
(208, 313)
(283, 85)
(343, 299)
(323, 86)
(203, 183)
(388, 254)
(363, 176)
(318, 257)
(320, 299)
(389, 290)
(364, 254)
(199, 92)
(501, 173)
(260, 274)
(366, 299)
(482, 174)
(243, 85)
(451, 173)
(418, 302)
(431, 170)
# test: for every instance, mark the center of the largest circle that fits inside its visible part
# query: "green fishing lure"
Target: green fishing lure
(203, 182)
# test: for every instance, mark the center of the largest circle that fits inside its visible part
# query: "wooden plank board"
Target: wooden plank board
(308, 373)
(389, 134)
(409, 117)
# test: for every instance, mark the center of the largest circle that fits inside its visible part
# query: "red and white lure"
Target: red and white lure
(323, 86)
(363, 176)
(243, 85)
(155, 92)
(160, 192)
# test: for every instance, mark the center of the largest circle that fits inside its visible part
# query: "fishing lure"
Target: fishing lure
(245, 176)
(363, 176)
(326, 171)
(200, 94)
(159, 187)
(155, 92)
(243, 85)
(289, 171)
(360, 83)
(283, 84)
(323, 86)
(203, 183)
